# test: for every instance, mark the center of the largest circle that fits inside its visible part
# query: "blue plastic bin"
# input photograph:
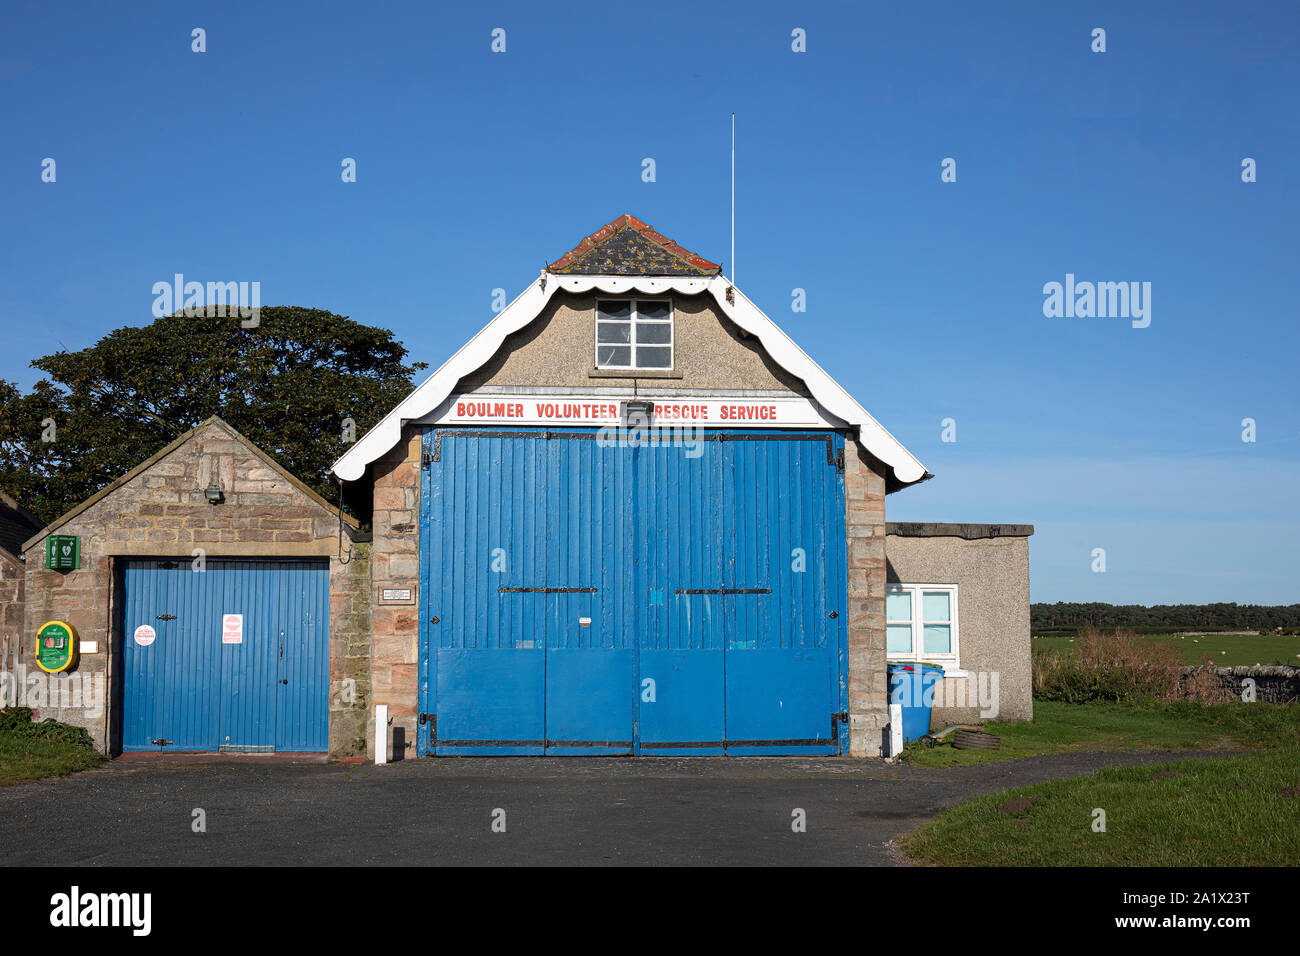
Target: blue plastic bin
(912, 685)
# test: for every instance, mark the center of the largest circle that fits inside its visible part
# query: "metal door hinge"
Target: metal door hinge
(166, 617)
(160, 742)
(836, 720)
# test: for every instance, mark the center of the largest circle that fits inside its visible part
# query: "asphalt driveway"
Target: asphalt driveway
(262, 810)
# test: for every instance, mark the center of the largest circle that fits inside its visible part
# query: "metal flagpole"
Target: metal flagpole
(733, 199)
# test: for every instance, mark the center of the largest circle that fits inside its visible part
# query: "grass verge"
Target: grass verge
(34, 751)
(1063, 728)
(1224, 811)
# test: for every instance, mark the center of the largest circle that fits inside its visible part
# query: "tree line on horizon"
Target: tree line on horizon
(1219, 616)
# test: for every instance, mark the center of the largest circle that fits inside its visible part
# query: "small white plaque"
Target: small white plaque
(396, 595)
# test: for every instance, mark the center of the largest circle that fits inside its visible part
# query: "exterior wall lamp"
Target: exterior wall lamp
(214, 495)
(638, 412)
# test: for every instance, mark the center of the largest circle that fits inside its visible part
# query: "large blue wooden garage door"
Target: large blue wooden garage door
(585, 598)
(190, 686)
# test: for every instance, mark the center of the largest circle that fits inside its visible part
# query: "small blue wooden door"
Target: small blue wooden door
(171, 668)
(302, 667)
(232, 657)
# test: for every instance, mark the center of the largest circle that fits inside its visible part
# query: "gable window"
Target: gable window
(634, 333)
(921, 622)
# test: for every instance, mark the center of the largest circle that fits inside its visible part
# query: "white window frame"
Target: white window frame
(634, 319)
(918, 625)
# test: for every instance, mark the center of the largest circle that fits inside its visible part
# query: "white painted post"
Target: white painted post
(895, 729)
(381, 733)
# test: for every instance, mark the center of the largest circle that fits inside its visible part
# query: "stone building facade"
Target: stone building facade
(864, 495)
(159, 510)
(395, 564)
(988, 565)
(16, 526)
(722, 347)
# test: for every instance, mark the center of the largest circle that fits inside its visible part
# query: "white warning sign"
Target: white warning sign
(232, 629)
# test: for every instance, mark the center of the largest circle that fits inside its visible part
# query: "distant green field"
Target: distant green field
(1226, 650)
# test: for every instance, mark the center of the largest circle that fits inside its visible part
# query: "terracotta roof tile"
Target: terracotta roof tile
(628, 246)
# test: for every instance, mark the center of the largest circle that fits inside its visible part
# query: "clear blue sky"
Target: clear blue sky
(924, 298)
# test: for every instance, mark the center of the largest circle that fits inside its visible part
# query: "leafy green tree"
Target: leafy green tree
(290, 384)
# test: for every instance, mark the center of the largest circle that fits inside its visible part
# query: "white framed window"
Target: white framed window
(634, 333)
(921, 623)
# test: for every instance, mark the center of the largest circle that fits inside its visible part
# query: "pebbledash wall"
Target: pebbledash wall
(159, 511)
(988, 565)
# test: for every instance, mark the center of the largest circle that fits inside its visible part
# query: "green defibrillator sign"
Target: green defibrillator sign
(56, 647)
(62, 552)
